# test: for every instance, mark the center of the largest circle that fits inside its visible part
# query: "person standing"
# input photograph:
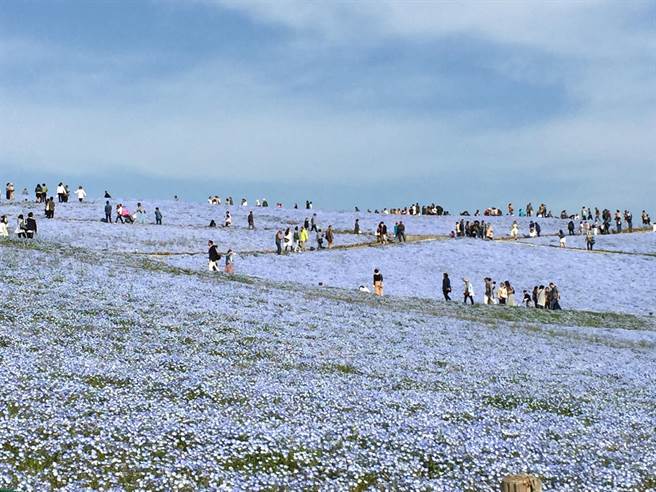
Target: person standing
(213, 257)
(251, 220)
(80, 194)
(21, 227)
(468, 292)
(30, 226)
(514, 231)
(158, 216)
(108, 212)
(330, 236)
(10, 191)
(303, 238)
(510, 292)
(356, 227)
(279, 238)
(378, 282)
(446, 286)
(230, 262)
(50, 208)
(61, 192)
(488, 296)
(4, 230)
(589, 240)
(313, 223)
(401, 232)
(562, 238)
(554, 297)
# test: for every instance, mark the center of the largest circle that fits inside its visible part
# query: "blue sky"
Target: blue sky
(469, 104)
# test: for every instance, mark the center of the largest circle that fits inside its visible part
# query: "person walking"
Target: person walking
(446, 286)
(213, 257)
(61, 192)
(330, 236)
(378, 282)
(468, 292)
(80, 194)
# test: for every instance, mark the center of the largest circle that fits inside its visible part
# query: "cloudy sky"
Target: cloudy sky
(469, 103)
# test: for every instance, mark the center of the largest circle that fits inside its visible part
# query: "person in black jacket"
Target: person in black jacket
(446, 287)
(30, 225)
(378, 282)
(108, 212)
(251, 220)
(213, 256)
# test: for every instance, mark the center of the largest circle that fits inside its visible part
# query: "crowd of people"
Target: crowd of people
(299, 238)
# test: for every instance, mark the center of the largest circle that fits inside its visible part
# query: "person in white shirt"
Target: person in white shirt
(4, 229)
(80, 193)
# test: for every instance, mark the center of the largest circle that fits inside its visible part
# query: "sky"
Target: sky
(468, 104)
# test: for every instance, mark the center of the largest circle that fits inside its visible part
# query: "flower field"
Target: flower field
(124, 371)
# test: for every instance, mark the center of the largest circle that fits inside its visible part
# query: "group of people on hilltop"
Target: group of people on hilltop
(216, 200)
(415, 209)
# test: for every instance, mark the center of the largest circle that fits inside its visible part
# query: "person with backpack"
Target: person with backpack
(446, 286)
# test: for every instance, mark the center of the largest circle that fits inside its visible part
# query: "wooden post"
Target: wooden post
(521, 483)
